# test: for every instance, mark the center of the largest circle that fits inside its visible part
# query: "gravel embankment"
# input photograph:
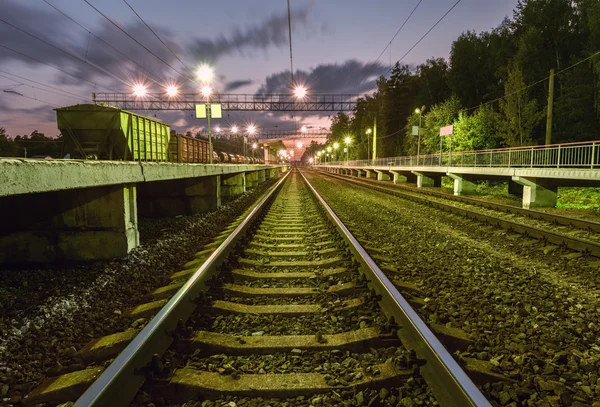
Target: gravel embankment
(533, 309)
(49, 312)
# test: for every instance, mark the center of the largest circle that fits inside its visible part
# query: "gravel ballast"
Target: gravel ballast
(532, 308)
(48, 313)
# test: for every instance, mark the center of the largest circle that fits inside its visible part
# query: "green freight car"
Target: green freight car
(108, 133)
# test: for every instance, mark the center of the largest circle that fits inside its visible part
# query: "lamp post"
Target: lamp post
(251, 131)
(335, 147)
(420, 113)
(328, 153)
(347, 140)
(368, 132)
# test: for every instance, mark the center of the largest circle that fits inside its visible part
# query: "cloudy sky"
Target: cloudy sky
(78, 51)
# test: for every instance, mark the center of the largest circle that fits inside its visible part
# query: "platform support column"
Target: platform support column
(425, 180)
(537, 193)
(515, 189)
(371, 174)
(251, 179)
(383, 176)
(83, 224)
(462, 186)
(234, 185)
(261, 176)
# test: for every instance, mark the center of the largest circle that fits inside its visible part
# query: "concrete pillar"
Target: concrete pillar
(403, 176)
(179, 197)
(270, 173)
(252, 179)
(359, 173)
(515, 189)
(83, 224)
(425, 180)
(537, 193)
(462, 186)
(261, 176)
(371, 174)
(233, 185)
(383, 176)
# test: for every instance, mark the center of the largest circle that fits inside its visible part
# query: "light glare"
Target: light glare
(206, 91)
(254, 146)
(251, 129)
(299, 144)
(234, 129)
(205, 73)
(300, 92)
(348, 140)
(336, 145)
(172, 91)
(140, 90)
(303, 129)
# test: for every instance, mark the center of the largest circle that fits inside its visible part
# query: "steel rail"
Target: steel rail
(122, 379)
(530, 213)
(450, 384)
(574, 243)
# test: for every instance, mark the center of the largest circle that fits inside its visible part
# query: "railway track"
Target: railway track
(576, 234)
(286, 306)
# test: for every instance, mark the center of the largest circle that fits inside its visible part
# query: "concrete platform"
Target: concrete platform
(26, 176)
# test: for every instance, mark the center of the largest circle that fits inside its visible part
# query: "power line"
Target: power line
(156, 35)
(99, 38)
(34, 87)
(61, 50)
(139, 43)
(519, 90)
(52, 66)
(389, 44)
(43, 84)
(36, 99)
(427, 33)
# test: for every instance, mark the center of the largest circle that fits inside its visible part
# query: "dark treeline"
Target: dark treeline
(494, 88)
(35, 145)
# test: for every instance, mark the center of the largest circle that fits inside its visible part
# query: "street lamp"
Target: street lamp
(140, 90)
(205, 73)
(347, 140)
(335, 147)
(369, 131)
(420, 113)
(300, 92)
(234, 129)
(172, 91)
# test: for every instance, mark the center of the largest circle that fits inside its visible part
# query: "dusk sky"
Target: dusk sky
(246, 42)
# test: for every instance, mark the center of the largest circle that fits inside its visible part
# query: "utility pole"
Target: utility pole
(550, 105)
(375, 139)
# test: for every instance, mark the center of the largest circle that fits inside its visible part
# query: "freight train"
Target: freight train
(108, 133)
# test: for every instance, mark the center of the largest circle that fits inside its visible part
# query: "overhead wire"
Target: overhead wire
(53, 66)
(516, 91)
(427, 33)
(33, 87)
(156, 35)
(146, 71)
(372, 64)
(139, 43)
(63, 51)
(43, 84)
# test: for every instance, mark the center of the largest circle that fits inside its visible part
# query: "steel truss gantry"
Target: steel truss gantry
(230, 102)
(291, 134)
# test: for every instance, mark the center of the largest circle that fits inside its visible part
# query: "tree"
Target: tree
(519, 113)
(478, 131)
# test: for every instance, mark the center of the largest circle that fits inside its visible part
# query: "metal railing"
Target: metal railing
(568, 155)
